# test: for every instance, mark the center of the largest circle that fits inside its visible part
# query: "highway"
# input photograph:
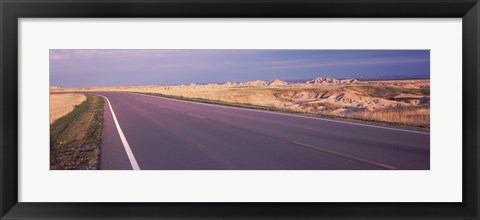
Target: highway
(155, 133)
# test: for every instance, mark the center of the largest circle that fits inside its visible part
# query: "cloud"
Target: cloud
(55, 57)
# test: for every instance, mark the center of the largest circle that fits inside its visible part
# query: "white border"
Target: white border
(441, 184)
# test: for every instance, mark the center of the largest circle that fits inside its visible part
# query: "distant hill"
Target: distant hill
(321, 80)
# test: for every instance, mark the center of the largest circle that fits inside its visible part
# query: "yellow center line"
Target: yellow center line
(198, 116)
(346, 156)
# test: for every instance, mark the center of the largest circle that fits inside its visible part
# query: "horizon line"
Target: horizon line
(293, 81)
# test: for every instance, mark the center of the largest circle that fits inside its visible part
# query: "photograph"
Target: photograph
(239, 109)
(317, 109)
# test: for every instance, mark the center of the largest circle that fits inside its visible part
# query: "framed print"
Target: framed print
(226, 109)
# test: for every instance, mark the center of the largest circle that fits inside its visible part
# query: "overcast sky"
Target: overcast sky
(86, 68)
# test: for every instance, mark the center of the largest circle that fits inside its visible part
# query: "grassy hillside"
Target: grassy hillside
(75, 138)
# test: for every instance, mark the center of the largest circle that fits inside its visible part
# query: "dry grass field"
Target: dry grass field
(62, 104)
(399, 102)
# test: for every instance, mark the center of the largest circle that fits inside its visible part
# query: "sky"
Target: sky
(89, 68)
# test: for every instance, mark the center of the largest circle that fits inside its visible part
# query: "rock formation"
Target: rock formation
(321, 80)
(277, 82)
(254, 83)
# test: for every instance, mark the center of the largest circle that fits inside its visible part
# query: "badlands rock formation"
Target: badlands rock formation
(254, 83)
(321, 80)
(277, 82)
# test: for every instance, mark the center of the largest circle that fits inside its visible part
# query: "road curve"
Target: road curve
(168, 134)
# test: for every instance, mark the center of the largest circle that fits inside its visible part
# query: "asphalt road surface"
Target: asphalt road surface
(154, 133)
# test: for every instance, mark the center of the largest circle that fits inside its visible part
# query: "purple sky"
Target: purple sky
(85, 68)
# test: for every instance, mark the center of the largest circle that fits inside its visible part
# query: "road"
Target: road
(155, 133)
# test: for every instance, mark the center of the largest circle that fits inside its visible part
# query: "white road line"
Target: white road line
(291, 115)
(195, 115)
(128, 150)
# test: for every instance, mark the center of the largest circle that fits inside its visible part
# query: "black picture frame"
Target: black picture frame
(12, 10)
